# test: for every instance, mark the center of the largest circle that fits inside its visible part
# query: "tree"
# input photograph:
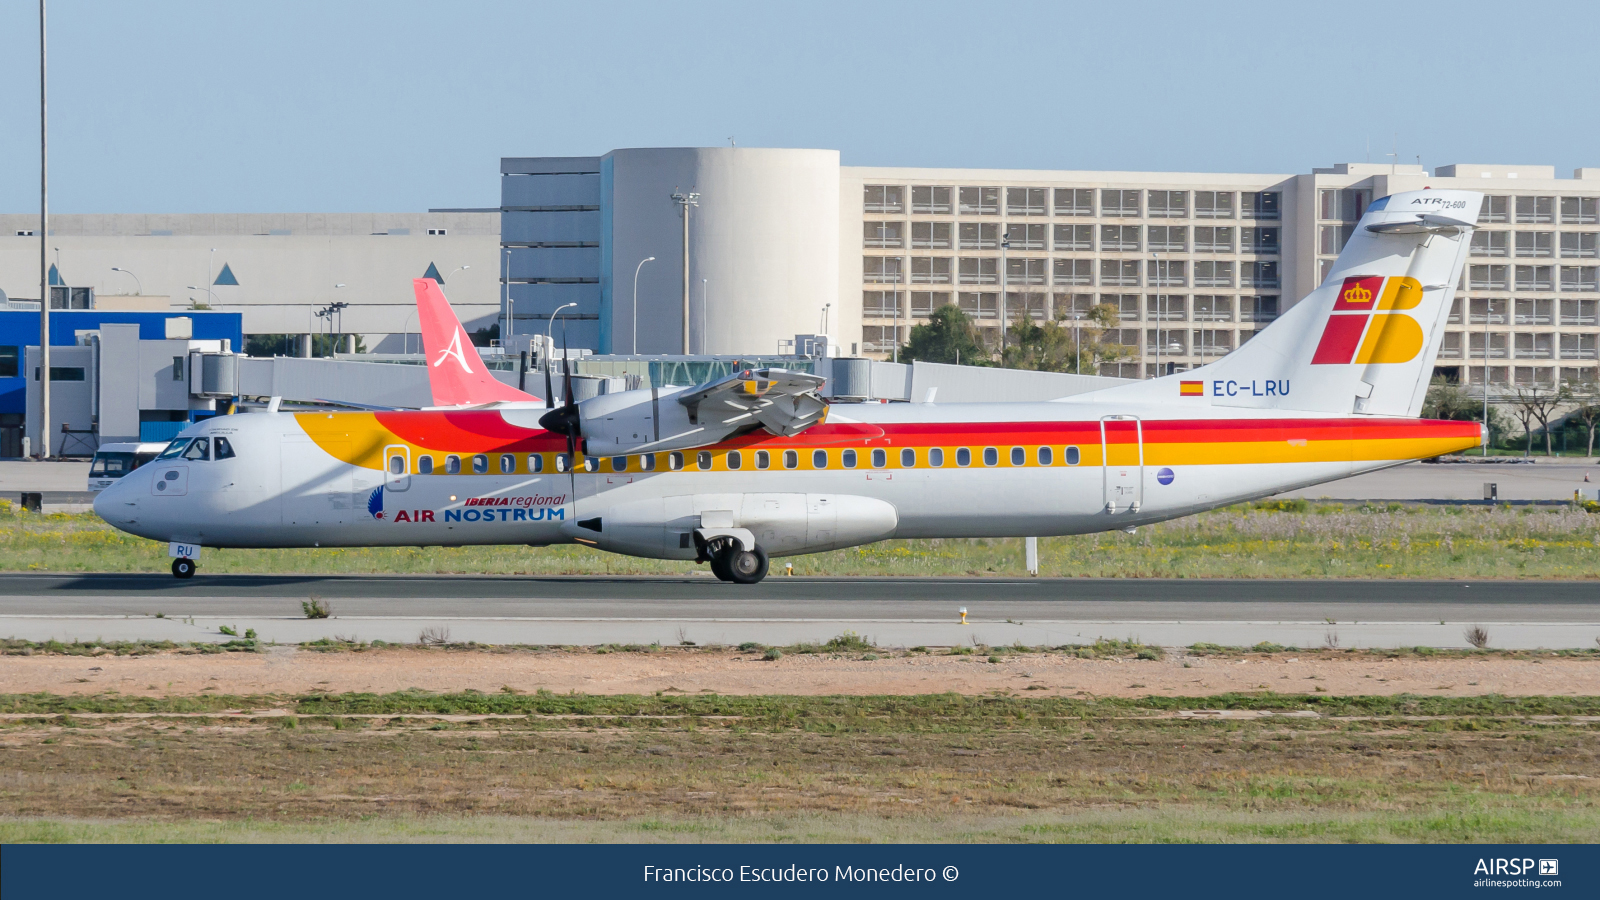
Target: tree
(1056, 347)
(1588, 412)
(1446, 400)
(1538, 404)
(947, 337)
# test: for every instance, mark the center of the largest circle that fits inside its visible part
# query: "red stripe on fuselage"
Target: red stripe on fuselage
(486, 431)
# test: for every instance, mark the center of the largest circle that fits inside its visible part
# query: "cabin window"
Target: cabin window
(508, 464)
(1019, 456)
(675, 461)
(647, 462)
(735, 459)
(452, 465)
(424, 465)
(791, 459)
(763, 459)
(221, 449)
(397, 465)
(619, 464)
(936, 456)
(991, 456)
(849, 459)
(880, 458)
(535, 462)
(1072, 456)
(703, 460)
(480, 464)
(963, 457)
(819, 459)
(563, 462)
(199, 450)
(591, 464)
(908, 458)
(1046, 457)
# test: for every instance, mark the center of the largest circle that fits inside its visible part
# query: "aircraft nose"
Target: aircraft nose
(113, 503)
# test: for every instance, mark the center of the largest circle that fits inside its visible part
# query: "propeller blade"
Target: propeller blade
(549, 392)
(565, 374)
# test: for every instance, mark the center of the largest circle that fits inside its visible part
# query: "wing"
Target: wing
(783, 402)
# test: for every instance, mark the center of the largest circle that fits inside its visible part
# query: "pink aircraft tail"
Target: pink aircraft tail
(456, 374)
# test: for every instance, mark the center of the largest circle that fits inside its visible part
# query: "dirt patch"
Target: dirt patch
(293, 671)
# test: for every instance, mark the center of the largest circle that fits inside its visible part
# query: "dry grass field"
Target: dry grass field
(1271, 539)
(1285, 761)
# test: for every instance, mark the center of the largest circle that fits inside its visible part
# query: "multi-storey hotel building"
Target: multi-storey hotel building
(1195, 264)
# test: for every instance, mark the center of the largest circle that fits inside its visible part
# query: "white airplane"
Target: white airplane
(757, 465)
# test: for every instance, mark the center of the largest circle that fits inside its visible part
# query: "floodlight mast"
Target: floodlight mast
(44, 259)
(685, 201)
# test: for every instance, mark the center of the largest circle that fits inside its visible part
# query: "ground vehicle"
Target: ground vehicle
(112, 461)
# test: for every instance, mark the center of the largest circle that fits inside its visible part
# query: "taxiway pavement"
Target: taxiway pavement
(892, 611)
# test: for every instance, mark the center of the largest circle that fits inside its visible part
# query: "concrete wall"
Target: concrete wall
(286, 264)
(71, 402)
(119, 396)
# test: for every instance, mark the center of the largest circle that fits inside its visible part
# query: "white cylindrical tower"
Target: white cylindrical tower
(763, 247)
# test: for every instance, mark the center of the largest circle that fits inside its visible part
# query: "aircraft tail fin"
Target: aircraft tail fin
(1365, 341)
(456, 374)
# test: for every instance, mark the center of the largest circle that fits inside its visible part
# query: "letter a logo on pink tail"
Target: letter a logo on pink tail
(454, 351)
(443, 340)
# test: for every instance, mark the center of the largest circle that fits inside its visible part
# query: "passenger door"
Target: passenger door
(1122, 462)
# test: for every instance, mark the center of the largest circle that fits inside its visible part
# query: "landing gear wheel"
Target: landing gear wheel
(719, 566)
(183, 568)
(746, 566)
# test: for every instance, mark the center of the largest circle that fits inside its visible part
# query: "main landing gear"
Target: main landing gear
(731, 562)
(184, 568)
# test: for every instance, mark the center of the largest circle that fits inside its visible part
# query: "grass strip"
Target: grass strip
(1269, 539)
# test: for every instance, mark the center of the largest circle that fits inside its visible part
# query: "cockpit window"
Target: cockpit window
(199, 449)
(174, 448)
(222, 449)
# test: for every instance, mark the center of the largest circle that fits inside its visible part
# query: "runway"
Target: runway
(894, 611)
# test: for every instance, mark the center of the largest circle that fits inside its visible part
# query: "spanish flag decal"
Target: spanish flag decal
(1191, 388)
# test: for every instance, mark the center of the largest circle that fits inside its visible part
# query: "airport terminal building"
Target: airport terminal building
(789, 244)
(786, 242)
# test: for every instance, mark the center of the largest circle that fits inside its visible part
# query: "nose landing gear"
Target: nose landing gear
(183, 568)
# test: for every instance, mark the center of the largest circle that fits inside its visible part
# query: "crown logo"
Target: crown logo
(1358, 294)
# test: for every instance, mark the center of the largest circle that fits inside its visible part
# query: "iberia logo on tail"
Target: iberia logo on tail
(1365, 325)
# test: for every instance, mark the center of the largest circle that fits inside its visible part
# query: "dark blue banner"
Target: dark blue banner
(304, 872)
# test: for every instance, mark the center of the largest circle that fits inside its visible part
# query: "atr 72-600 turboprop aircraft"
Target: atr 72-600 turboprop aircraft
(756, 465)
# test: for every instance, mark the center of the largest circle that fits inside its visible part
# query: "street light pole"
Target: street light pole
(211, 295)
(506, 309)
(1005, 244)
(685, 201)
(1487, 306)
(705, 300)
(138, 290)
(44, 258)
(633, 348)
(1156, 258)
(549, 342)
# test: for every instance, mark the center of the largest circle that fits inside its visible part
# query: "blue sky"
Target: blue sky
(177, 106)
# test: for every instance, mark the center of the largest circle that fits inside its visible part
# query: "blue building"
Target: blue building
(19, 337)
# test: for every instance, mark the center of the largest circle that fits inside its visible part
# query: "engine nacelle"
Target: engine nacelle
(645, 420)
(783, 524)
